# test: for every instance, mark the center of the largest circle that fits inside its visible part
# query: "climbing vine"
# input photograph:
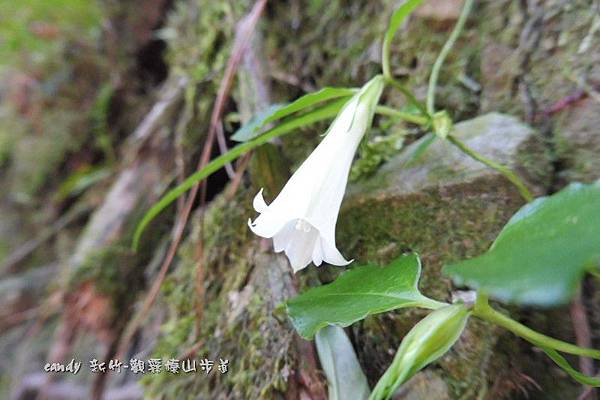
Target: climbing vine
(538, 259)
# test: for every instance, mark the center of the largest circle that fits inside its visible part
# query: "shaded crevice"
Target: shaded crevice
(150, 63)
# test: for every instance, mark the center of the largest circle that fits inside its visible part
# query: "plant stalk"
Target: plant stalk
(484, 311)
(503, 169)
(391, 112)
(435, 71)
(409, 96)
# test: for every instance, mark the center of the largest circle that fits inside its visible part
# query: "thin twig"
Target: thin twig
(180, 129)
(241, 41)
(243, 36)
(564, 102)
(20, 317)
(588, 88)
(435, 71)
(222, 143)
(583, 338)
(237, 179)
(586, 392)
(29, 247)
(191, 352)
(504, 170)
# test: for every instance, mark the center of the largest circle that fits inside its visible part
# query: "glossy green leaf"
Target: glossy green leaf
(427, 341)
(278, 111)
(345, 377)
(542, 253)
(326, 112)
(359, 292)
(564, 364)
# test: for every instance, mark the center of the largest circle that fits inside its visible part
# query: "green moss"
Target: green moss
(36, 156)
(467, 366)
(99, 121)
(113, 271)
(79, 19)
(443, 225)
(199, 35)
(237, 323)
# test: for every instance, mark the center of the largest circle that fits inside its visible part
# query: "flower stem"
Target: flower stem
(407, 93)
(395, 22)
(484, 311)
(503, 169)
(435, 71)
(391, 112)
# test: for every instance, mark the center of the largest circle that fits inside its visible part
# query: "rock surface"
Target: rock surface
(526, 59)
(445, 206)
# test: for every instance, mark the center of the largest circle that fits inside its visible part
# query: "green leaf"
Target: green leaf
(427, 341)
(564, 364)
(345, 377)
(325, 112)
(359, 292)
(252, 128)
(542, 253)
(278, 111)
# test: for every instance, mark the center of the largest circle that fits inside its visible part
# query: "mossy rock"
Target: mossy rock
(577, 142)
(445, 206)
(242, 288)
(538, 65)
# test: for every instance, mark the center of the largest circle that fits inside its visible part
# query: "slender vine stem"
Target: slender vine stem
(395, 22)
(435, 71)
(504, 170)
(407, 93)
(392, 112)
(484, 311)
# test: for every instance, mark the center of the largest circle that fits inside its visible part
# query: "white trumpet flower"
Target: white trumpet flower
(302, 219)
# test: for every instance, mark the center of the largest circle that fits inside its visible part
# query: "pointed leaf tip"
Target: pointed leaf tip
(357, 293)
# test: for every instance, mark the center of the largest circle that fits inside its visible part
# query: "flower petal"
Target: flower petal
(317, 255)
(267, 224)
(283, 237)
(331, 254)
(259, 202)
(300, 248)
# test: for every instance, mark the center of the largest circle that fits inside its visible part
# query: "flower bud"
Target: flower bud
(442, 124)
(427, 341)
